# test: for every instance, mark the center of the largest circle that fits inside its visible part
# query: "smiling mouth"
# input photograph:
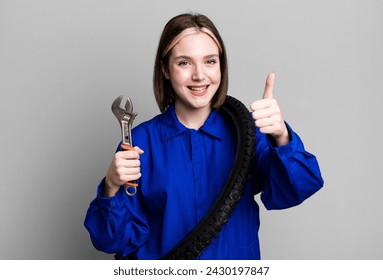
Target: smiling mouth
(198, 89)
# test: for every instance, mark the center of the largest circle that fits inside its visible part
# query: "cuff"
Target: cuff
(107, 202)
(287, 150)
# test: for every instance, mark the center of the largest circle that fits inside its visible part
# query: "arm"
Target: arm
(115, 221)
(285, 173)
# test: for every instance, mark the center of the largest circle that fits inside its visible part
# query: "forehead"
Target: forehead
(195, 44)
(187, 32)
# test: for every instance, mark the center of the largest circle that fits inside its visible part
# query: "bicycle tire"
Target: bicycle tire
(218, 215)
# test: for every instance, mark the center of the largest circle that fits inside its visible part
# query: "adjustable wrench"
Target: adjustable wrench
(125, 117)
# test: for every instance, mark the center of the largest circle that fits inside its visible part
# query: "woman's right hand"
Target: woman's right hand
(124, 167)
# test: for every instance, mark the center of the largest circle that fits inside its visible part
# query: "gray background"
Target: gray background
(62, 63)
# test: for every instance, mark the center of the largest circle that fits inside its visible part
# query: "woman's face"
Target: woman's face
(194, 71)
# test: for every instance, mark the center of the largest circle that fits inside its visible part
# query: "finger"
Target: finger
(131, 171)
(127, 155)
(138, 150)
(122, 172)
(134, 177)
(267, 129)
(262, 104)
(267, 122)
(133, 154)
(131, 163)
(262, 114)
(128, 177)
(269, 87)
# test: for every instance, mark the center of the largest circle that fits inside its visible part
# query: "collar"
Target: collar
(171, 127)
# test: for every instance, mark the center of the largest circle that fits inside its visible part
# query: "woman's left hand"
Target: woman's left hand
(267, 114)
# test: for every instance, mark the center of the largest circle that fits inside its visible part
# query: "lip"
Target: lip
(198, 90)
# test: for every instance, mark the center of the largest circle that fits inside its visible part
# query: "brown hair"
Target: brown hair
(163, 90)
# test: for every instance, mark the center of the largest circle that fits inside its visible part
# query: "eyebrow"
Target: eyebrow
(188, 57)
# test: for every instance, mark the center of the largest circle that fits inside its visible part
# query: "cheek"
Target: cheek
(179, 76)
(215, 76)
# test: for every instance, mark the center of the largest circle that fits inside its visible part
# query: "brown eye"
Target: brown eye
(211, 61)
(183, 63)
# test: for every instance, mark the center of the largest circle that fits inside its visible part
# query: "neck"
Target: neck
(192, 118)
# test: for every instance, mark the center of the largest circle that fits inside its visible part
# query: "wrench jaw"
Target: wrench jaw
(125, 117)
(116, 109)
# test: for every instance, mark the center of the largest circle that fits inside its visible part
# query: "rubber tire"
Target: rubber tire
(212, 223)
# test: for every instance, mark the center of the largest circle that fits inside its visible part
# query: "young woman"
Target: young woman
(183, 157)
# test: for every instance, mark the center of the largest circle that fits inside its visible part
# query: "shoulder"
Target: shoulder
(147, 126)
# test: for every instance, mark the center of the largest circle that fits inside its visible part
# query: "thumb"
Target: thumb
(138, 150)
(269, 87)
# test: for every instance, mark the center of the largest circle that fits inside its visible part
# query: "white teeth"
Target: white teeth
(197, 88)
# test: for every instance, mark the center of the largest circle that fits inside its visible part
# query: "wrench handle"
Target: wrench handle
(131, 186)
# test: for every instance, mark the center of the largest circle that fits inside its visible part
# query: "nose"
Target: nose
(198, 73)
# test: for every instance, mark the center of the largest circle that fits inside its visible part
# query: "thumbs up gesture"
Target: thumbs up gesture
(267, 114)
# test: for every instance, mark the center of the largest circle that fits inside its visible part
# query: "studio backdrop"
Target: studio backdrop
(62, 63)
